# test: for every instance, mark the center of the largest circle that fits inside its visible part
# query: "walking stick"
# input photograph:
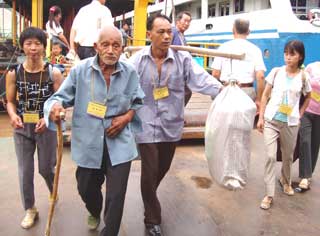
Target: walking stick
(56, 176)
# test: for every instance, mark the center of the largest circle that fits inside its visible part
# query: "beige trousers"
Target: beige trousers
(288, 137)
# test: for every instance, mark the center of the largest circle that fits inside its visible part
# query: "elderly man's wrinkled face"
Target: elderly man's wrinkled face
(109, 47)
(184, 23)
(161, 34)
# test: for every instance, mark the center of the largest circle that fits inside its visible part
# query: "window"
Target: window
(224, 8)
(212, 10)
(298, 6)
(238, 5)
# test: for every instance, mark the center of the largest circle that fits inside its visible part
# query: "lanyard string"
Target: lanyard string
(25, 89)
(92, 88)
(166, 78)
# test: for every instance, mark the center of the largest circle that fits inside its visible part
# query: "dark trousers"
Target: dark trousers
(85, 52)
(309, 144)
(89, 187)
(156, 159)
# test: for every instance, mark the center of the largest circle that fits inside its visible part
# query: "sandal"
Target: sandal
(304, 184)
(266, 203)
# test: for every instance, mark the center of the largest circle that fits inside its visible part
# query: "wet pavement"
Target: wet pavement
(192, 203)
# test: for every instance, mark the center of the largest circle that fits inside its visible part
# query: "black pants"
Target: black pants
(85, 52)
(309, 144)
(156, 160)
(89, 187)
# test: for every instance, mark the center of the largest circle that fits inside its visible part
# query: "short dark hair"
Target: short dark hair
(180, 15)
(57, 43)
(241, 26)
(152, 18)
(33, 32)
(295, 46)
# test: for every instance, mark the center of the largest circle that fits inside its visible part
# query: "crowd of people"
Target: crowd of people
(122, 107)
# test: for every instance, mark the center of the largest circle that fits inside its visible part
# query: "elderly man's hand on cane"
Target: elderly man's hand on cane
(57, 113)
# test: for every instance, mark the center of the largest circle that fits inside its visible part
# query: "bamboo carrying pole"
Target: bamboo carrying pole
(56, 176)
(200, 51)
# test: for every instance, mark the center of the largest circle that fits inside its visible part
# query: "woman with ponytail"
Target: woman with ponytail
(54, 29)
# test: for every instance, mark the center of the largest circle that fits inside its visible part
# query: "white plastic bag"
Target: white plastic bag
(227, 137)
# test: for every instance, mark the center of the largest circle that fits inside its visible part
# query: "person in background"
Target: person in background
(105, 93)
(85, 27)
(182, 24)
(310, 129)
(54, 29)
(163, 74)
(125, 33)
(56, 58)
(246, 71)
(280, 116)
(32, 83)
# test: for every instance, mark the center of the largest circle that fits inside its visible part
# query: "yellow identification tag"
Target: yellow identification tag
(31, 117)
(315, 96)
(96, 110)
(285, 109)
(160, 93)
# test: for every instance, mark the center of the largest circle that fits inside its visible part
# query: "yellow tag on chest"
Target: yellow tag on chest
(96, 110)
(285, 109)
(29, 117)
(315, 96)
(160, 93)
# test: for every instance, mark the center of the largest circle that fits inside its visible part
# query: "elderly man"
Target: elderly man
(163, 74)
(105, 94)
(245, 71)
(85, 26)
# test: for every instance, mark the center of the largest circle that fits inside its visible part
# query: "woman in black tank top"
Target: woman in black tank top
(28, 87)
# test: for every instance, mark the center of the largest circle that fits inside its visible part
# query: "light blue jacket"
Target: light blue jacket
(88, 132)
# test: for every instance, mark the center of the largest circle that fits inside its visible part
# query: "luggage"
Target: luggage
(228, 137)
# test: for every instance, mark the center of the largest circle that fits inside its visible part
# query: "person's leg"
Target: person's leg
(149, 178)
(89, 187)
(315, 140)
(46, 147)
(25, 148)
(166, 153)
(305, 169)
(288, 140)
(116, 187)
(271, 134)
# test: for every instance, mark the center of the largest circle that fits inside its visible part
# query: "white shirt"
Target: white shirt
(89, 21)
(54, 31)
(278, 79)
(242, 70)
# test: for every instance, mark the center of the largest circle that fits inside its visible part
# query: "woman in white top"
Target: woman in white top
(280, 116)
(54, 29)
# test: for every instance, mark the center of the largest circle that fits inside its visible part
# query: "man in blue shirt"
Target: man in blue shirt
(105, 94)
(182, 24)
(163, 74)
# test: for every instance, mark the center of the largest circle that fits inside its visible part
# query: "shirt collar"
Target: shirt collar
(147, 52)
(95, 65)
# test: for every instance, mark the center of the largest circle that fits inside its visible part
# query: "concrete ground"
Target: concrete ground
(192, 204)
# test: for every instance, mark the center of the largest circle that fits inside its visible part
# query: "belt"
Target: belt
(245, 85)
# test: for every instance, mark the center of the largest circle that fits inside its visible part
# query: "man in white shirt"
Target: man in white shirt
(245, 71)
(86, 26)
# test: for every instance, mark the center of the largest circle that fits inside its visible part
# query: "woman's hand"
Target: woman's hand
(260, 125)
(16, 121)
(40, 126)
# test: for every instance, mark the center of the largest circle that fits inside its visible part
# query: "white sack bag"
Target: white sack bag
(228, 136)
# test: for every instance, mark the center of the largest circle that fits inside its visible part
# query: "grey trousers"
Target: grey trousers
(288, 138)
(89, 187)
(309, 144)
(26, 141)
